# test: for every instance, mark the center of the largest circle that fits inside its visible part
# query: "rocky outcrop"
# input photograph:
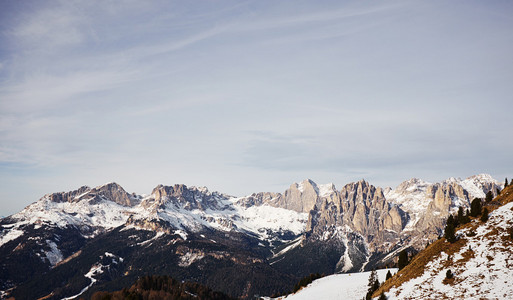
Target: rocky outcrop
(362, 208)
(68, 196)
(300, 197)
(429, 204)
(110, 192)
(184, 197)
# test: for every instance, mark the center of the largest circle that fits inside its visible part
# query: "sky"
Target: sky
(249, 96)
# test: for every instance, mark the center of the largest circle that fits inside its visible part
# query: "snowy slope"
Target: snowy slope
(96, 216)
(482, 268)
(339, 286)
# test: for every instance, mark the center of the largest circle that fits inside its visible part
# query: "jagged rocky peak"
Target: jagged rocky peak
(412, 185)
(109, 192)
(481, 184)
(364, 209)
(300, 197)
(362, 191)
(71, 196)
(184, 197)
(114, 192)
(257, 199)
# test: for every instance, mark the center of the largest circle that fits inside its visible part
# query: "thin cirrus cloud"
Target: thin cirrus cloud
(250, 96)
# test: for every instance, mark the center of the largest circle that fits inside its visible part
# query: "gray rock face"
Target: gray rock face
(411, 214)
(298, 197)
(110, 192)
(362, 208)
(181, 196)
(429, 204)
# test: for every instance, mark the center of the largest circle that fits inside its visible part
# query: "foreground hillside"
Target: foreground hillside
(481, 261)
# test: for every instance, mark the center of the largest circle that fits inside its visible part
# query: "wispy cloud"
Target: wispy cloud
(247, 95)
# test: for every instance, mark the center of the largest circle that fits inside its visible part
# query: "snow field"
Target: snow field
(339, 286)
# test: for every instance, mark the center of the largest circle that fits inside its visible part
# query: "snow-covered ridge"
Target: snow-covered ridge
(193, 208)
(184, 208)
(412, 195)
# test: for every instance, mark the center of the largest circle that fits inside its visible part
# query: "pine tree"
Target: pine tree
(373, 277)
(461, 215)
(448, 274)
(450, 230)
(373, 284)
(484, 216)
(389, 275)
(403, 259)
(506, 182)
(489, 196)
(451, 220)
(475, 207)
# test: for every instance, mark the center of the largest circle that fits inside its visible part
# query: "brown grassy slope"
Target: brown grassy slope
(416, 267)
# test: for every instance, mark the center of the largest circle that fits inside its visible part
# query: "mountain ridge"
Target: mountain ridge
(313, 226)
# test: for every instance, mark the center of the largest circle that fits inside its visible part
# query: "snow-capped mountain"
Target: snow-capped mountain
(308, 228)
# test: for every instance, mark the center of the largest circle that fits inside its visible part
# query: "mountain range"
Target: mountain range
(104, 238)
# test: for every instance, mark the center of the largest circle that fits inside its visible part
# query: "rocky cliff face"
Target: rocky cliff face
(413, 213)
(181, 196)
(364, 209)
(110, 192)
(429, 204)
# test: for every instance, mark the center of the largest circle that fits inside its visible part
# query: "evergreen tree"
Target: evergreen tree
(382, 296)
(461, 215)
(373, 277)
(484, 216)
(389, 275)
(448, 274)
(451, 220)
(506, 182)
(489, 196)
(475, 207)
(403, 259)
(450, 230)
(373, 284)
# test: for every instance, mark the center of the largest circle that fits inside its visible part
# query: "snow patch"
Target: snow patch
(54, 255)
(326, 190)
(189, 258)
(10, 235)
(293, 245)
(159, 234)
(95, 270)
(345, 264)
(182, 234)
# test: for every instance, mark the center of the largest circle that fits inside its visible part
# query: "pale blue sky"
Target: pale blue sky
(248, 96)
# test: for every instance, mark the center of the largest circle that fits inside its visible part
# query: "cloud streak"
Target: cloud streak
(250, 96)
